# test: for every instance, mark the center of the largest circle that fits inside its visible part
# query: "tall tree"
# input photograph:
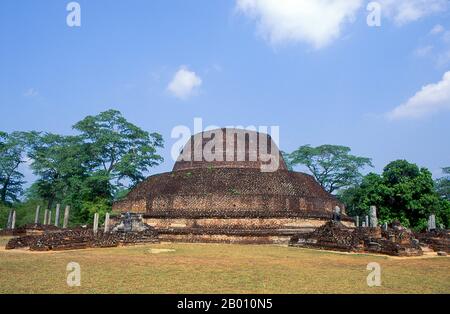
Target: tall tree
(287, 160)
(331, 165)
(443, 184)
(58, 161)
(120, 151)
(402, 192)
(13, 149)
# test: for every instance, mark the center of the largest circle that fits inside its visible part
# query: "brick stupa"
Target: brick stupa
(231, 199)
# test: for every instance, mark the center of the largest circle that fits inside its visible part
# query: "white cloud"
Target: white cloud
(31, 92)
(423, 51)
(184, 83)
(405, 11)
(437, 29)
(317, 22)
(430, 99)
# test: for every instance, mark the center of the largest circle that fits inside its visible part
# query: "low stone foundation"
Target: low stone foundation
(129, 230)
(80, 239)
(30, 229)
(223, 238)
(335, 236)
(233, 229)
(438, 240)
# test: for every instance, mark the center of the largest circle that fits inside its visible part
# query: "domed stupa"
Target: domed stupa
(233, 186)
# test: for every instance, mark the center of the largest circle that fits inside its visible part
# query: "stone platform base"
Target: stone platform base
(335, 236)
(223, 238)
(243, 230)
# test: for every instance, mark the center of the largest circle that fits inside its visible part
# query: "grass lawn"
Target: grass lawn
(218, 268)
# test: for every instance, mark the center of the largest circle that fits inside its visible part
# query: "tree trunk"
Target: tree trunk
(4, 189)
(50, 203)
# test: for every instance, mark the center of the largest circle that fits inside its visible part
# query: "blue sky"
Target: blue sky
(318, 71)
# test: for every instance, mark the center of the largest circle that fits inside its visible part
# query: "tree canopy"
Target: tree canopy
(13, 148)
(331, 165)
(402, 192)
(119, 149)
(443, 184)
(87, 171)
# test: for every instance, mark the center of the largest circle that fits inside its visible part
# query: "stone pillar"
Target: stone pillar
(363, 224)
(106, 223)
(49, 218)
(66, 216)
(8, 223)
(58, 207)
(385, 226)
(357, 221)
(367, 221)
(431, 222)
(13, 220)
(373, 217)
(36, 216)
(337, 213)
(45, 216)
(95, 223)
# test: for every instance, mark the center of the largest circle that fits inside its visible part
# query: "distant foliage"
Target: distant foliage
(87, 171)
(13, 149)
(331, 165)
(402, 192)
(443, 184)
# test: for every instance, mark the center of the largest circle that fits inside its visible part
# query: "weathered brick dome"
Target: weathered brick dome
(232, 201)
(234, 148)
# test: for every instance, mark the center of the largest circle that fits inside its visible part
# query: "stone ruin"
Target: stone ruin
(396, 240)
(391, 239)
(29, 229)
(436, 239)
(129, 231)
(231, 200)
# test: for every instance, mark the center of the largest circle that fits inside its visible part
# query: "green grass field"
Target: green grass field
(217, 268)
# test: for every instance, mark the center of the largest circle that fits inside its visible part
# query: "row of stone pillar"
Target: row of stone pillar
(48, 216)
(370, 220)
(11, 224)
(96, 221)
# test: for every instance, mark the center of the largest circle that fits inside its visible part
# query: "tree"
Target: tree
(287, 161)
(120, 150)
(331, 165)
(443, 184)
(360, 197)
(402, 192)
(59, 162)
(86, 170)
(12, 154)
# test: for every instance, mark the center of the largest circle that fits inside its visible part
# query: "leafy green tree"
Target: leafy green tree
(360, 197)
(287, 160)
(443, 184)
(13, 149)
(403, 192)
(58, 161)
(90, 170)
(120, 150)
(331, 165)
